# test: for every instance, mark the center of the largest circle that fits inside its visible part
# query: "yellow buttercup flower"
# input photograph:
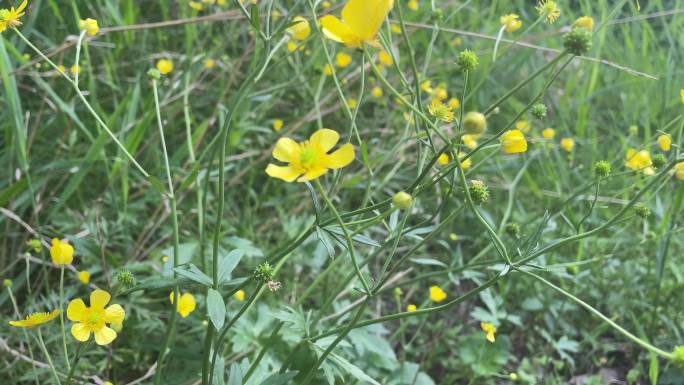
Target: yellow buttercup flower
(511, 22)
(443, 159)
(440, 93)
(437, 294)
(395, 28)
(164, 66)
(453, 236)
(665, 142)
(107, 383)
(9, 18)
(638, 160)
(412, 5)
(326, 4)
(513, 142)
(376, 92)
(94, 319)
(61, 251)
(441, 111)
(548, 133)
(209, 63)
(490, 329)
(352, 103)
(360, 22)
(585, 22)
(523, 125)
(277, 124)
(567, 144)
(426, 86)
(35, 319)
(186, 305)
(310, 159)
(342, 59)
(239, 295)
(196, 5)
(681, 94)
(470, 140)
(75, 69)
(385, 58)
(679, 170)
(454, 103)
(411, 308)
(327, 69)
(301, 30)
(465, 164)
(84, 277)
(291, 46)
(89, 26)
(548, 10)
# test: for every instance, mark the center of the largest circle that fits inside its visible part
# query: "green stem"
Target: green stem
(47, 356)
(61, 315)
(77, 357)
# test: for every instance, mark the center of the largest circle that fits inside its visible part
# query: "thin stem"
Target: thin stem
(47, 356)
(61, 315)
(77, 357)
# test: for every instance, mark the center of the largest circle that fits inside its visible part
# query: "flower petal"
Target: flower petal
(313, 174)
(186, 305)
(334, 29)
(285, 150)
(114, 314)
(364, 17)
(286, 173)
(80, 331)
(77, 311)
(99, 299)
(105, 336)
(340, 158)
(325, 138)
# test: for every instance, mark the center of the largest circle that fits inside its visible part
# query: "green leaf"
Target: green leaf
(280, 378)
(653, 369)
(219, 371)
(157, 184)
(228, 263)
(326, 242)
(235, 377)
(193, 273)
(255, 20)
(216, 308)
(338, 234)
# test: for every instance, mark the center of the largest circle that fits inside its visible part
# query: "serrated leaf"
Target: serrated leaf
(216, 308)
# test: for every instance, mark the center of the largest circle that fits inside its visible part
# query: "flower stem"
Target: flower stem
(61, 315)
(47, 357)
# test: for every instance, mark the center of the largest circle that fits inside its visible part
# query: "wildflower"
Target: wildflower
(94, 319)
(360, 22)
(327, 69)
(277, 125)
(411, 308)
(577, 41)
(376, 92)
(443, 159)
(342, 59)
(61, 69)
(264, 272)
(84, 277)
(681, 94)
(9, 18)
(457, 41)
(664, 141)
(637, 160)
(239, 295)
(679, 170)
(395, 28)
(478, 192)
(301, 30)
(567, 144)
(385, 58)
(490, 329)
(352, 103)
(465, 164)
(186, 304)
(513, 376)
(474, 123)
(326, 4)
(454, 103)
(107, 383)
(440, 93)
(548, 10)
(196, 5)
(453, 236)
(586, 22)
(291, 46)
(467, 60)
(164, 66)
(602, 168)
(523, 125)
(539, 111)
(89, 26)
(35, 319)
(511, 22)
(437, 294)
(548, 133)
(75, 69)
(165, 258)
(469, 140)
(209, 63)
(402, 200)
(412, 5)
(426, 86)
(61, 251)
(441, 111)
(513, 142)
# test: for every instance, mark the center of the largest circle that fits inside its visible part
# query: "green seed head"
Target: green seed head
(402, 200)
(602, 168)
(539, 111)
(478, 192)
(577, 41)
(264, 272)
(474, 123)
(125, 278)
(642, 211)
(659, 160)
(467, 60)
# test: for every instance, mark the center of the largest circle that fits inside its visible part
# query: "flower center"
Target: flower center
(308, 157)
(93, 319)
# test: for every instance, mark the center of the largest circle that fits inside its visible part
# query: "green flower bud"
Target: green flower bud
(154, 73)
(264, 272)
(398, 292)
(7, 282)
(513, 376)
(513, 229)
(474, 123)
(659, 160)
(602, 168)
(642, 211)
(539, 111)
(633, 129)
(678, 357)
(572, 269)
(437, 15)
(402, 200)
(467, 60)
(126, 278)
(35, 244)
(478, 192)
(650, 235)
(577, 41)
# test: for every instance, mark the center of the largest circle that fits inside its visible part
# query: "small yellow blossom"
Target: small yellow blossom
(327, 69)
(457, 41)
(61, 69)
(343, 59)
(437, 294)
(426, 86)
(89, 26)
(454, 103)
(490, 329)
(352, 103)
(301, 30)
(638, 160)
(679, 170)
(469, 140)
(94, 319)
(360, 22)
(35, 319)
(465, 164)
(75, 69)
(665, 142)
(275, 14)
(441, 111)
(9, 18)
(513, 142)
(326, 4)
(310, 159)
(209, 63)
(411, 308)
(239, 295)
(567, 144)
(523, 125)
(511, 22)
(376, 92)
(186, 305)
(681, 94)
(164, 66)
(107, 383)
(548, 133)
(197, 6)
(395, 28)
(548, 10)
(443, 159)
(440, 93)
(385, 58)
(412, 5)
(277, 124)
(84, 277)
(291, 46)
(165, 258)
(453, 236)
(586, 22)
(61, 251)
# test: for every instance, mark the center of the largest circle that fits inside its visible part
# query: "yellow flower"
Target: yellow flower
(327, 69)
(490, 329)
(457, 41)
(35, 319)
(385, 58)
(454, 103)
(209, 63)
(164, 66)
(75, 69)
(411, 308)
(84, 277)
(548, 10)
(513, 142)
(376, 92)
(310, 159)
(107, 383)
(395, 28)
(437, 294)
(469, 140)
(301, 30)
(425, 86)
(441, 111)
(352, 103)
(291, 46)
(523, 125)
(465, 164)
(9, 18)
(360, 22)
(61, 251)
(61, 68)
(681, 94)
(440, 93)
(443, 159)
(94, 319)
(239, 295)
(567, 144)
(342, 59)
(326, 4)
(665, 141)
(637, 160)
(453, 236)
(586, 22)
(548, 133)
(277, 124)
(511, 22)
(195, 5)
(186, 305)
(412, 5)
(679, 170)
(89, 26)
